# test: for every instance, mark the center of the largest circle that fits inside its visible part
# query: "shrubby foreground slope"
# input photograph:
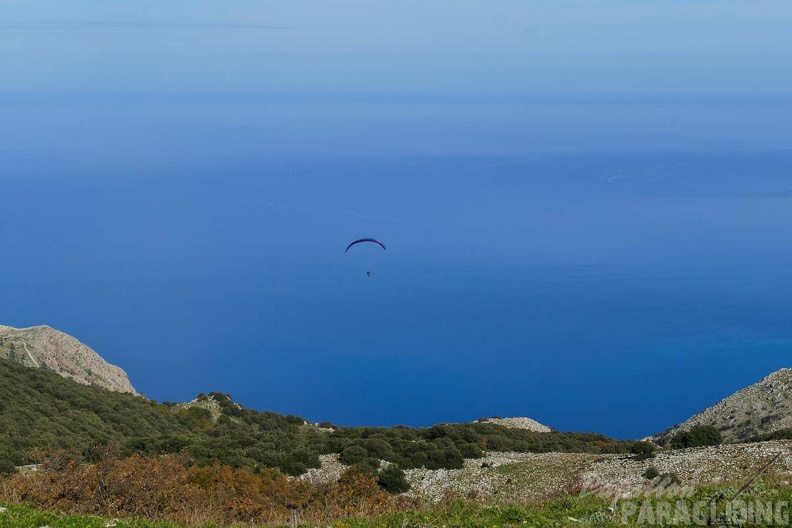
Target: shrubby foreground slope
(213, 461)
(39, 409)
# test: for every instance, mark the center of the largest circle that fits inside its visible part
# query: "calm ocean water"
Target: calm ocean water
(575, 232)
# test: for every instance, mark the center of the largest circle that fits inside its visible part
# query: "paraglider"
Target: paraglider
(361, 240)
(365, 241)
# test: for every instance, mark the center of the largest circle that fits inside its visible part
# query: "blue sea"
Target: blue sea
(586, 207)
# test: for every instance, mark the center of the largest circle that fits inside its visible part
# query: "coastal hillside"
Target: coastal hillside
(63, 445)
(39, 409)
(755, 412)
(47, 348)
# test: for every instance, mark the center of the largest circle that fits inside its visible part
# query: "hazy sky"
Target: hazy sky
(586, 204)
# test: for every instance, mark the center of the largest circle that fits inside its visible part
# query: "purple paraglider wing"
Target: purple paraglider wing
(372, 240)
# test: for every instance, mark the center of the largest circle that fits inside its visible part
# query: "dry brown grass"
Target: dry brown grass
(165, 488)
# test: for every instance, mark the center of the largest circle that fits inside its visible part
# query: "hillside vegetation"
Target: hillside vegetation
(39, 409)
(213, 462)
(563, 511)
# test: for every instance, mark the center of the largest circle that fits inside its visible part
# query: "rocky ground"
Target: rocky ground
(532, 476)
(761, 408)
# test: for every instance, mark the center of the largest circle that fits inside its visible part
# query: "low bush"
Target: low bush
(392, 480)
(697, 436)
(651, 473)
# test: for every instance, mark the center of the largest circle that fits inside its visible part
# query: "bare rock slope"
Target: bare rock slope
(758, 409)
(528, 424)
(45, 347)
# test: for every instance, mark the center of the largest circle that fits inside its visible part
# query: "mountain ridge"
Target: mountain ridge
(45, 347)
(759, 409)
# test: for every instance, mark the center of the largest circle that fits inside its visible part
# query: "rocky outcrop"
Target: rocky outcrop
(45, 347)
(761, 408)
(207, 402)
(528, 424)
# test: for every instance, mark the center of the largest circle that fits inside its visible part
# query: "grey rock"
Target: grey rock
(45, 347)
(758, 409)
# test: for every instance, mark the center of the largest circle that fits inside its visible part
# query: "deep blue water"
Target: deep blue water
(587, 220)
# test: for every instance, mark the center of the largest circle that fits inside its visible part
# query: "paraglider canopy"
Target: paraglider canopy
(362, 240)
(367, 252)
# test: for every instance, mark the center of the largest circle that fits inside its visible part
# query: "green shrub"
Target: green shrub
(6, 467)
(392, 480)
(643, 450)
(697, 436)
(651, 473)
(781, 434)
(447, 458)
(293, 468)
(471, 451)
(352, 455)
(369, 465)
(378, 448)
